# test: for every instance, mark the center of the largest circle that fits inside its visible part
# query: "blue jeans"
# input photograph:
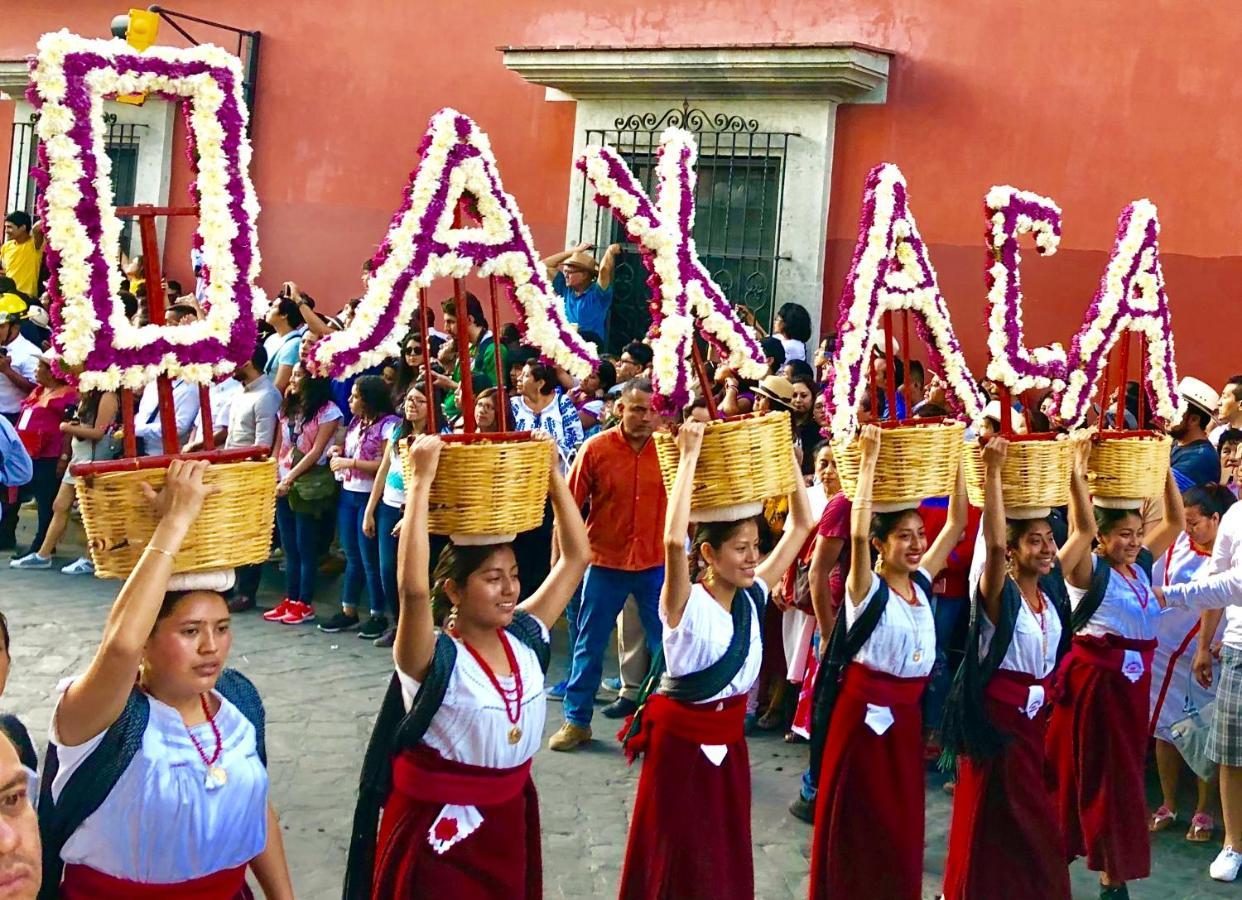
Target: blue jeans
(299, 538)
(386, 518)
(947, 611)
(604, 592)
(362, 566)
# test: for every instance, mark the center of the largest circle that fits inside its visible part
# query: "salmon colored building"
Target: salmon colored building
(794, 101)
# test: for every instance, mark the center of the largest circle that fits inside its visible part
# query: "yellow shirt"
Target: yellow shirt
(21, 263)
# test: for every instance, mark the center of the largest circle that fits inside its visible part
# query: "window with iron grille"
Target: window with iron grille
(738, 198)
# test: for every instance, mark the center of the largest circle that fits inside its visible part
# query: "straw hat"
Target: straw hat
(1199, 394)
(581, 260)
(778, 390)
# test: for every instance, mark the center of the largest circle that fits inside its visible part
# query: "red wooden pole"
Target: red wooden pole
(428, 381)
(155, 309)
(875, 395)
(1140, 414)
(890, 386)
(204, 410)
(1108, 370)
(905, 355)
(502, 395)
(464, 366)
(704, 381)
(140, 463)
(130, 440)
(1119, 421)
(1006, 410)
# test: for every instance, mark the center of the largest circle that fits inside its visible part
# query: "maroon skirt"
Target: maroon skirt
(1096, 746)
(500, 860)
(84, 883)
(869, 811)
(690, 830)
(1003, 819)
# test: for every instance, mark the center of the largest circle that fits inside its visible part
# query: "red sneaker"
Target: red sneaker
(298, 613)
(281, 610)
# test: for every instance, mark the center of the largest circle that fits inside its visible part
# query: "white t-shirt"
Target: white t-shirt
(1129, 607)
(703, 635)
(1219, 583)
(1033, 649)
(904, 640)
(793, 349)
(394, 483)
(24, 356)
(471, 725)
(160, 824)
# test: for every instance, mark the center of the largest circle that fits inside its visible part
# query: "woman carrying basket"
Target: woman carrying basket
(464, 713)
(1003, 818)
(690, 831)
(868, 728)
(156, 782)
(1097, 735)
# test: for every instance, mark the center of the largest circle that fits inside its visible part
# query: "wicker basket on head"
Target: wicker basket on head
(1035, 477)
(487, 491)
(915, 462)
(234, 528)
(743, 461)
(1124, 471)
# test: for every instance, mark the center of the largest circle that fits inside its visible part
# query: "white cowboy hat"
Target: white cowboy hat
(1200, 394)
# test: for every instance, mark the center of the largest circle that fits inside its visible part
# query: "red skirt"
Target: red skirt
(500, 860)
(1003, 819)
(84, 883)
(690, 830)
(869, 812)
(1096, 747)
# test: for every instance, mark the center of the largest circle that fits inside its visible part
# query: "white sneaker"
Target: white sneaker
(1225, 866)
(80, 566)
(32, 561)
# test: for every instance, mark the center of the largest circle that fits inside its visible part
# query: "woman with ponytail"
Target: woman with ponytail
(1097, 734)
(867, 729)
(449, 760)
(1003, 819)
(690, 831)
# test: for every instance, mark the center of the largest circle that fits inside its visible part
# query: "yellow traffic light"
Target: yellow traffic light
(144, 27)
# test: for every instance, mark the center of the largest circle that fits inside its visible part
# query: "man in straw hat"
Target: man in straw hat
(1194, 460)
(584, 285)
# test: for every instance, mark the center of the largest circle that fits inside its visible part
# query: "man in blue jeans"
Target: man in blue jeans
(616, 476)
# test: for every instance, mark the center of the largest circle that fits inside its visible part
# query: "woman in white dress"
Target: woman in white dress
(449, 760)
(156, 782)
(1175, 693)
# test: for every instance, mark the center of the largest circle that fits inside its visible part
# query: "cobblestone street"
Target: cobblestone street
(321, 692)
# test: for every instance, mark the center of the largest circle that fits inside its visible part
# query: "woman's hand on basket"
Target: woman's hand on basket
(554, 457)
(184, 490)
(1082, 450)
(425, 456)
(690, 438)
(994, 452)
(869, 441)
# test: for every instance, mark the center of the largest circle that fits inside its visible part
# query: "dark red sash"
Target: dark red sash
(1013, 688)
(84, 883)
(717, 722)
(881, 688)
(1107, 652)
(425, 776)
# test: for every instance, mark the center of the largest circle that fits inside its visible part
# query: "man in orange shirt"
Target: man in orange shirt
(617, 475)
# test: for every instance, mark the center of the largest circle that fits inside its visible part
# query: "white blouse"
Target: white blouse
(160, 824)
(471, 725)
(703, 635)
(1129, 608)
(1033, 649)
(904, 640)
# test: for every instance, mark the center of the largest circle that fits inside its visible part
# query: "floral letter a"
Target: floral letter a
(424, 243)
(681, 288)
(891, 271)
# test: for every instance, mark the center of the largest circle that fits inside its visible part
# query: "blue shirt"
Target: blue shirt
(15, 466)
(588, 310)
(1196, 463)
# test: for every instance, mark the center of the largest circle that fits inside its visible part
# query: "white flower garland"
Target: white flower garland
(422, 244)
(80, 317)
(891, 271)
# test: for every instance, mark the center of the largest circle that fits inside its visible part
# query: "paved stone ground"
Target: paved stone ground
(322, 691)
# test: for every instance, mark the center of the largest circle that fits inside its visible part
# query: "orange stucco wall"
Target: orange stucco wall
(1093, 104)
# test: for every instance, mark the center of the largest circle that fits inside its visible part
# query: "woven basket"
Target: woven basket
(1124, 471)
(743, 461)
(234, 528)
(487, 492)
(915, 462)
(1036, 474)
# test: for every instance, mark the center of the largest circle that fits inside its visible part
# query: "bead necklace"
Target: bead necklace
(912, 601)
(1135, 585)
(1039, 614)
(507, 697)
(216, 775)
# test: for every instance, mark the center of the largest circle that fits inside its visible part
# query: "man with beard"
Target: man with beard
(1195, 461)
